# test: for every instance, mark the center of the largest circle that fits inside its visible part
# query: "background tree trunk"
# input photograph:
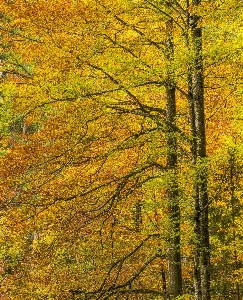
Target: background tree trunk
(174, 256)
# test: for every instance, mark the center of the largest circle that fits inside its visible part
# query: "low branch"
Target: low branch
(157, 118)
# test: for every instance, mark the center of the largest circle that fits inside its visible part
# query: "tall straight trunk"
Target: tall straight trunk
(196, 275)
(174, 256)
(202, 253)
(197, 279)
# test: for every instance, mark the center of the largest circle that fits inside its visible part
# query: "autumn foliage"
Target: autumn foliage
(109, 189)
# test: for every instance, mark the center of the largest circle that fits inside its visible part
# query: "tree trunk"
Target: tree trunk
(202, 262)
(174, 256)
(197, 279)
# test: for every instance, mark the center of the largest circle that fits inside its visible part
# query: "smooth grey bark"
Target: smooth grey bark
(202, 250)
(196, 275)
(191, 93)
(174, 256)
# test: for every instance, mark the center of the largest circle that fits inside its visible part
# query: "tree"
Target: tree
(226, 211)
(115, 149)
(202, 256)
(172, 194)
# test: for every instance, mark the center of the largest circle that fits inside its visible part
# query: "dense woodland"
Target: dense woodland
(121, 155)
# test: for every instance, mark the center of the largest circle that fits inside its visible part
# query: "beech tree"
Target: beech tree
(202, 256)
(105, 182)
(172, 194)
